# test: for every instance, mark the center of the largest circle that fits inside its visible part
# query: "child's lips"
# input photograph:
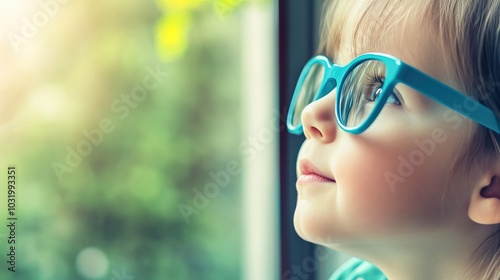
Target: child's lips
(313, 178)
(308, 173)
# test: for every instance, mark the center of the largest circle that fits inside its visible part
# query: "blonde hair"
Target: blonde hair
(470, 39)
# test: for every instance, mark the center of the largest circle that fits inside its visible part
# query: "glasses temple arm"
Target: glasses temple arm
(449, 97)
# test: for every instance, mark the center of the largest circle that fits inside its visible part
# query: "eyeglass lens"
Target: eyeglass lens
(360, 90)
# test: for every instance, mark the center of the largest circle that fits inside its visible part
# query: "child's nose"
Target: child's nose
(318, 119)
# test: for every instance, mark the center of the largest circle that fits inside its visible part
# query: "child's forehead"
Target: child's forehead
(401, 31)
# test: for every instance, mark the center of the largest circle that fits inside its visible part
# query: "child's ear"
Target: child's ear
(484, 207)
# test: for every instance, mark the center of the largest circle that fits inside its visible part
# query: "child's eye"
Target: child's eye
(373, 90)
(375, 93)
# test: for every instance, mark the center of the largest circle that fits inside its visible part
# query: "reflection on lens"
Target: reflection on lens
(360, 90)
(309, 90)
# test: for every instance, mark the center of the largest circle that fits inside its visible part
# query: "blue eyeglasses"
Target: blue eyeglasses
(366, 84)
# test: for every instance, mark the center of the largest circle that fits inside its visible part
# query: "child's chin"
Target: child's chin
(300, 224)
(308, 227)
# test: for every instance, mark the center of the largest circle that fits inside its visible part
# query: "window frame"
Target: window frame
(298, 35)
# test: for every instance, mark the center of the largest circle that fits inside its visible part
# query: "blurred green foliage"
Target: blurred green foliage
(123, 197)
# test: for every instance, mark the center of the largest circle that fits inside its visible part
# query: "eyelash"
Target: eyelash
(377, 80)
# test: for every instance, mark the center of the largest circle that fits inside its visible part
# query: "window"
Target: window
(137, 129)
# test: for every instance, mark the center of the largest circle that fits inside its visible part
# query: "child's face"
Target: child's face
(393, 181)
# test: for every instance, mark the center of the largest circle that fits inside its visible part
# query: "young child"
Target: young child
(401, 163)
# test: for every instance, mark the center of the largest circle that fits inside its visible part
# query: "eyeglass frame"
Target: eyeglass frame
(397, 71)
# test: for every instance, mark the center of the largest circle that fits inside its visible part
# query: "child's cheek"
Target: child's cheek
(381, 188)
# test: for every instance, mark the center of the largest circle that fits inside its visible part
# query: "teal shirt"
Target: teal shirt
(356, 269)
